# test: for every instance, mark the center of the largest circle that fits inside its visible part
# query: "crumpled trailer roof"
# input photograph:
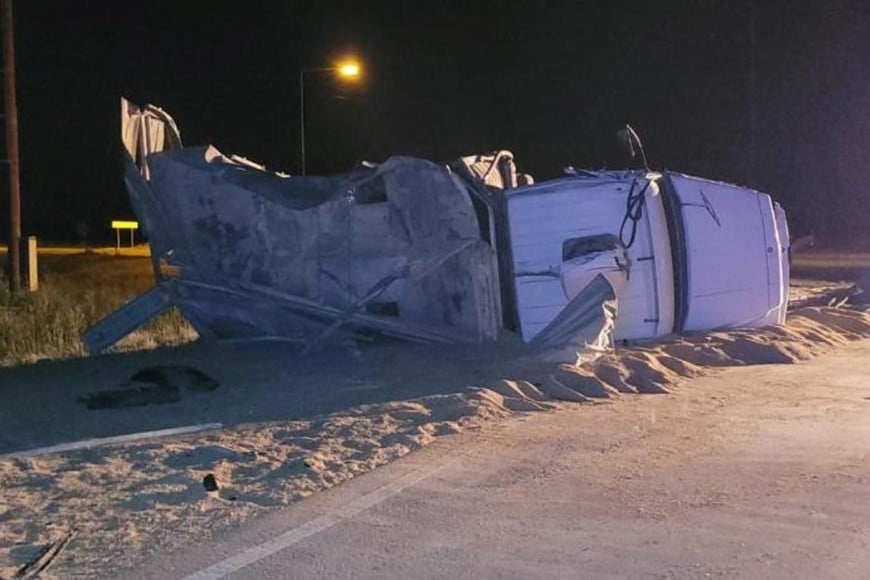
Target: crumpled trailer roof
(393, 248)
(430, 253)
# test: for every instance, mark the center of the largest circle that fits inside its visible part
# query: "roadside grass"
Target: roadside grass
(820, 264)
(826, 259)
(75, 292)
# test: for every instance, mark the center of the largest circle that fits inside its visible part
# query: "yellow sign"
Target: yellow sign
(119, 225)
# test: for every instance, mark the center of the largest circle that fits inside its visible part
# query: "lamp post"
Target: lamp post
(346, 70)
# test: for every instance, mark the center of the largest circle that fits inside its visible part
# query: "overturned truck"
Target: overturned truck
(431, 253)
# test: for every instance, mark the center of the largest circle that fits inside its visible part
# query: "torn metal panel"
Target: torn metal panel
(586, 322)
(124, 321)
(147, 130)
(393, 248)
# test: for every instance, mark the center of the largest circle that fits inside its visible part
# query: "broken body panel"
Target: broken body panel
(427, 253)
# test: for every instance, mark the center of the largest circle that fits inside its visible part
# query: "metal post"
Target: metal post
(32, 265)
(302, 107)
(751, 91)
(302, 117)
(12, 150)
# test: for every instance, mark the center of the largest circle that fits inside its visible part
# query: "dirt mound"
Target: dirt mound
(658, 367)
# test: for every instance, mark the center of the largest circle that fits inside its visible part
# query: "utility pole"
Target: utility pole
(302, 117)
(12, 149)
(752, 94)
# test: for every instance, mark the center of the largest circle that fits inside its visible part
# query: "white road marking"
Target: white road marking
(317, 525)
(88, 443)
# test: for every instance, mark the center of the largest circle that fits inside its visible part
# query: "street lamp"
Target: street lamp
(347, 70)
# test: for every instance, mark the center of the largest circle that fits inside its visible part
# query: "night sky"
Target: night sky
(551, 81)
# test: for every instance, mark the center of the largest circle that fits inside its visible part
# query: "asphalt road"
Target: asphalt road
(757, 472)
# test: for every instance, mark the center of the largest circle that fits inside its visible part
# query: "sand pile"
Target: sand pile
(110, 507)
(803, 293)
(658, 367)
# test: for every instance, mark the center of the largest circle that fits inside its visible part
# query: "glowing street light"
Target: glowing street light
(347, 70)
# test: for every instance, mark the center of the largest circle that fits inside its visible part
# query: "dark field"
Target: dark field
(76, 291)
